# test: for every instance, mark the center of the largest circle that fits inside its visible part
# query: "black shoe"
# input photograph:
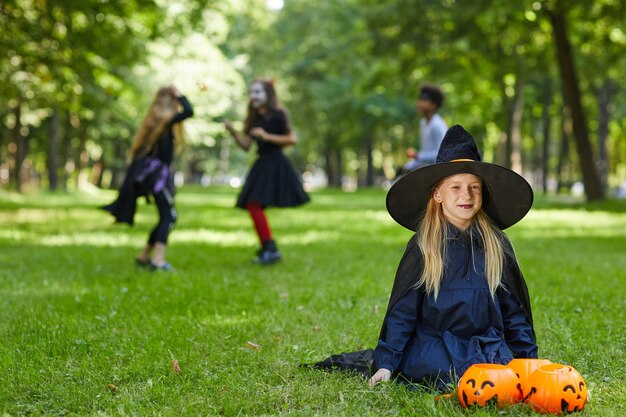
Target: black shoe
(269, 254)
(142, 263)
(165, 267)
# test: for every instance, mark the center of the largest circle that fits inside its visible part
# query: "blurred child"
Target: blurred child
(149, 174)
(432, 127)
(272, 181)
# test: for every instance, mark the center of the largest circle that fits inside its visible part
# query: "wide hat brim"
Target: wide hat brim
(507, 196)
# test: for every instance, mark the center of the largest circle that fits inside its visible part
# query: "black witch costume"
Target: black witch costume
(149, 175)
(433, 341)
(272, 181)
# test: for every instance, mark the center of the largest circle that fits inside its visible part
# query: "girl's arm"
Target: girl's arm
(518, 332)
(244, 141)
(187, 109)
(401, 322)
(283, 140)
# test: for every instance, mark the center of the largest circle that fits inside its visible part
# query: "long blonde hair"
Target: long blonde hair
(431, 239)
(163, 108)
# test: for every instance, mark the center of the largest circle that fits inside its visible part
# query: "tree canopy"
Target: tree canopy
(537, 82)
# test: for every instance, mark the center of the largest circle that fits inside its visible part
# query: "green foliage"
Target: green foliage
(348, 70)
(84, 332)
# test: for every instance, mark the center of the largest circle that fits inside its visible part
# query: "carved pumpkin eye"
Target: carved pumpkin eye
(471, 382)
(569, 387)
(581, 385)
(491, 384)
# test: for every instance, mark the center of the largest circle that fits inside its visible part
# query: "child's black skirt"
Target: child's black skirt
(272, 182)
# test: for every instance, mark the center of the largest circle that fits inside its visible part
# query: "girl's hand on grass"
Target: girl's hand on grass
(381, 375)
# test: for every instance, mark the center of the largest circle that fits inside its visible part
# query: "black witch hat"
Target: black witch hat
(507, 196)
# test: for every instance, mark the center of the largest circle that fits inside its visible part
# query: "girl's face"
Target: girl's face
(258, 96)
(460, 196)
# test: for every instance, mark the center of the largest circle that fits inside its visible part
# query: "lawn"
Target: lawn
(85, 332)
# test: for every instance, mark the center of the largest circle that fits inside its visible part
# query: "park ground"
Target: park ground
(85, 332)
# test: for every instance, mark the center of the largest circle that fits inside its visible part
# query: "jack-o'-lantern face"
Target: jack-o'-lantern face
(556, 389)
(488, 383)
(574, 397)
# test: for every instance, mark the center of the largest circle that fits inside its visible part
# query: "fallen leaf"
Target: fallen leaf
(112, 387)
(175, 366)
(252, 345)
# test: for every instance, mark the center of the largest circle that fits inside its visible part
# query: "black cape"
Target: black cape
(407, 274)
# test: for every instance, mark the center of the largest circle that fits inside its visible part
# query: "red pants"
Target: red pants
(260, 221)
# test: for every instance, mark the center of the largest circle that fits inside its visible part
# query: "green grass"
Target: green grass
(84, 332)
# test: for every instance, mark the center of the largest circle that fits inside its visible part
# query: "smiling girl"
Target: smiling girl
(459, 297)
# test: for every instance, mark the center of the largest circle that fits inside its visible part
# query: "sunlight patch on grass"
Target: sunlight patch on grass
(379, 216)
(92, 239)
(208, 199)
(566, 223)
(31, 216)
(15, 235)
(44, 290)
(218, 238)
(309, 237)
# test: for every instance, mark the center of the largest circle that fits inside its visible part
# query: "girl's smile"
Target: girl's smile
(460, 197)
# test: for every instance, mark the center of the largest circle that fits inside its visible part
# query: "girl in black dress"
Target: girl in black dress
(272, 181)
(149, 174)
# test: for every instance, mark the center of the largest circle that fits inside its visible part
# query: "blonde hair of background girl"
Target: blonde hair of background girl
(432, 242)
(164, 107)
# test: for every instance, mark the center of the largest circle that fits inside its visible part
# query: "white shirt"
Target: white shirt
(431, 135)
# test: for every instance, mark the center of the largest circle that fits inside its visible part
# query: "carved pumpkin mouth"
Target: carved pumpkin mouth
(565, 406)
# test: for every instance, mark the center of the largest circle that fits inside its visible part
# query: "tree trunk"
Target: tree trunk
(18, 146)
(369, 174)
(223, 165)
(514, 134)
(53, 151)
(604, 115)
(83, 159)
(333, 166)
(566, 131)
(572, 98)
(118, 169)
(97, 171)
(4, 175)
(68, 161)
(546, 125)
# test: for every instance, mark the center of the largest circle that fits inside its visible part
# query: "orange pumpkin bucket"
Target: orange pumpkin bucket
(556, 389)
(524, 367)
(485, 383)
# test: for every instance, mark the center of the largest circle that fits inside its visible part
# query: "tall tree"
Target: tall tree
(572, 96)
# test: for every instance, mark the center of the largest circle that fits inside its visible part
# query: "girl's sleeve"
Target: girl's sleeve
(401, 321)
(518, 332)
(284, 126)
(187, 110)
